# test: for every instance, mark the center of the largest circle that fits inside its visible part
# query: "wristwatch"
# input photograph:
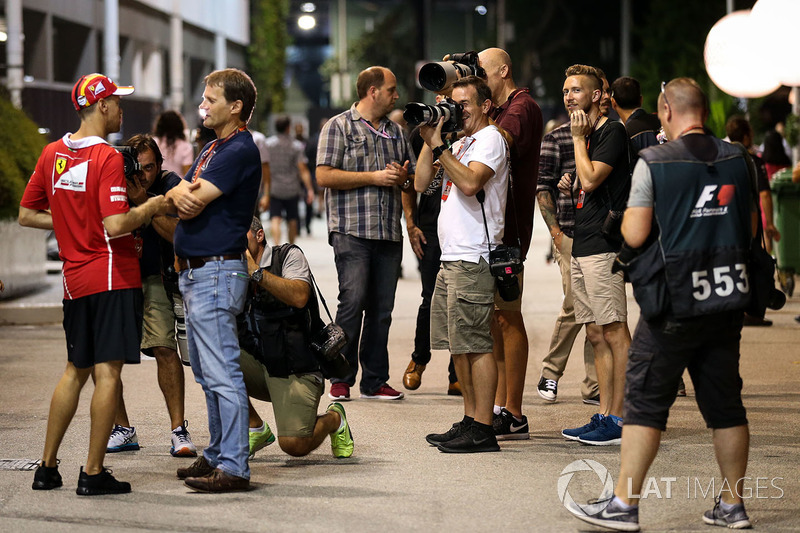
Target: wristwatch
(257, 275)
(438, 151)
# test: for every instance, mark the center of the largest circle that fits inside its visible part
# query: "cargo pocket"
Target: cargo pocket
(474, 308)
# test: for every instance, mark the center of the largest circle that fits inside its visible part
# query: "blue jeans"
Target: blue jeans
(368, 271)
(213, 296)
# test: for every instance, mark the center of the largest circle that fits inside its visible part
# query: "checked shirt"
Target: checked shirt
(556, 158)
(347, 143)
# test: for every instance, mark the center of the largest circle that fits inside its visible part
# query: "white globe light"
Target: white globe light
(734, 59)
(306, 22)
(775, 25)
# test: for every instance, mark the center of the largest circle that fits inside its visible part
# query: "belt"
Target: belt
(198, 262)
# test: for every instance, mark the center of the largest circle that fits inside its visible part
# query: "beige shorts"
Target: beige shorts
(158, 326)
(599, 295)
(295, 399)
(515, 305)
(462, 308)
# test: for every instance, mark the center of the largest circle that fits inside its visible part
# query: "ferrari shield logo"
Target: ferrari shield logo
(61, 165)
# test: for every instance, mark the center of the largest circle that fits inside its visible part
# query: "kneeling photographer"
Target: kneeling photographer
(471, 222)
(279, 364)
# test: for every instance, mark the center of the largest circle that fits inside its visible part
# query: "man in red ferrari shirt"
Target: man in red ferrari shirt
(78, 189)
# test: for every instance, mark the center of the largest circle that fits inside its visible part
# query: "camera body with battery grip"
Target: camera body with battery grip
(130, 161)
(505, 263)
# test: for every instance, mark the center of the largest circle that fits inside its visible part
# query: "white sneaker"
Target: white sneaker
(547, 389)
(182, 445)
(122, 439)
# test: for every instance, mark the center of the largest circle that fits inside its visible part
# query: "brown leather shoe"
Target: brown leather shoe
(454, 389)
(412, 379)
(217, 481)
(198, 468)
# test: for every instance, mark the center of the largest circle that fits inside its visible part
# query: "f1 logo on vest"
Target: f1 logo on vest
(719, 201)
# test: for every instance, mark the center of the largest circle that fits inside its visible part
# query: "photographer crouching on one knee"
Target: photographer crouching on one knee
(471, 221)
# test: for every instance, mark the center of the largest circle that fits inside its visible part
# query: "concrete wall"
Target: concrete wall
(22, 258)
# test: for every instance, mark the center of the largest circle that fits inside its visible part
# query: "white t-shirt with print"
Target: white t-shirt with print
(461, 231)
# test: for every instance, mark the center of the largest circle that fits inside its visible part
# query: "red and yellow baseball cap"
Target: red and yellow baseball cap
(92, 87)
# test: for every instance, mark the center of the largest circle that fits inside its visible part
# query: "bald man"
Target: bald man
(703, 221)
(365, 161)
(517, 112)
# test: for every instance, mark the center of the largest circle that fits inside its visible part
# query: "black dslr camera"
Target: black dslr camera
(417, 113)
(440, 75)
(130, 161)
(327, 345)
(505, 262)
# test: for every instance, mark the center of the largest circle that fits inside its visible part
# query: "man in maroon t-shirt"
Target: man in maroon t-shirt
(516, 112)
(78, 190)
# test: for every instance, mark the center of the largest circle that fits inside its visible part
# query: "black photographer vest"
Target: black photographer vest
(277, 334)
(703, 213)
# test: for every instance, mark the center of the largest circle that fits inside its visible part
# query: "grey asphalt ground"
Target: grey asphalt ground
(394, 481)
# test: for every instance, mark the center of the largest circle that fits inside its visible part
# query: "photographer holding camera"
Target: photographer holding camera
(162, 306)
(287, 375)
(471, 220)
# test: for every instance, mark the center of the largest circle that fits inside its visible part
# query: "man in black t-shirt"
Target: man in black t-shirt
(642, 127)
(600, 191)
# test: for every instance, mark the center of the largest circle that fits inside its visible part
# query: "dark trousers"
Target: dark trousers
(368, 271)
(428, 268)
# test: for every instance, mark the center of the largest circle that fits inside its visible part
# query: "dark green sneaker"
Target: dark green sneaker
(342, 439)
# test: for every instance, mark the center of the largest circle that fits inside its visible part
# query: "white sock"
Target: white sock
(259, 429)
(622, 505)
(497, 409)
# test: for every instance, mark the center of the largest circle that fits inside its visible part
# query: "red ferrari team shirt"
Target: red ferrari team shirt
(81, 182)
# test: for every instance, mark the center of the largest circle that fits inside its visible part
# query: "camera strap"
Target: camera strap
(481, 197)
(322, 299)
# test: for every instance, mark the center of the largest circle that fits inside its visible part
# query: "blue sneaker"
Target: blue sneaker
(609, 433)
(594, 423)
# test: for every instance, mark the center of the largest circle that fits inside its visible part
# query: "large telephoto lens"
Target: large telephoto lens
(438, 76)
(417, 113)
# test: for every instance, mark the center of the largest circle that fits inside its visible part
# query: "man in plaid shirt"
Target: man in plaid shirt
(557, 158)
(364, 161)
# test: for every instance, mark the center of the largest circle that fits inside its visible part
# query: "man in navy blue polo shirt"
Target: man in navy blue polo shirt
(215, 203)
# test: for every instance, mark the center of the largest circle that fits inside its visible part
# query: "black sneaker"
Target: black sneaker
(736, 518)
(509, 429)
(46, 478)
(594, 400)
(435, 439)
(102, 483)
(473, 440)
(682, 388)
(611, 516)
(547, 389)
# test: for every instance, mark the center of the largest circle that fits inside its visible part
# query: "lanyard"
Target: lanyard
(448, 185)
(690, 128)
(376, 132)
(589, 137)
(210, 152)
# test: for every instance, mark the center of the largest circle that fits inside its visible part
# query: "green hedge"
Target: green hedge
(20, 146)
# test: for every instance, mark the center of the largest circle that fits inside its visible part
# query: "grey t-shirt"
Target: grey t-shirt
(641, 194)
(295, 265)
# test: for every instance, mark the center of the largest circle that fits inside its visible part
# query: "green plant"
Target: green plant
(267, 55)
(20, 146)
